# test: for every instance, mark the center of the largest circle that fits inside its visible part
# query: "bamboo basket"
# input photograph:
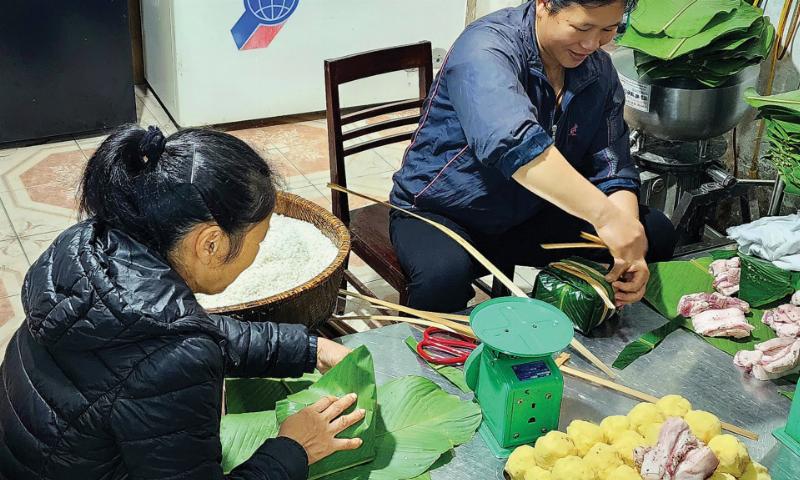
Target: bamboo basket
(313, 302)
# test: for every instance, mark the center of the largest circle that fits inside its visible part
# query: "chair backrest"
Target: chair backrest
(362, 65)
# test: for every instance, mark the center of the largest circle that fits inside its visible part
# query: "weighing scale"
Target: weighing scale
(512, 372)
(790, 434)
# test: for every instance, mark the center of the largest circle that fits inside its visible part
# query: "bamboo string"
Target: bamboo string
(510, 285)
(573, 372)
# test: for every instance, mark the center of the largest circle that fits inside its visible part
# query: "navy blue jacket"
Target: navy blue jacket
(117, 371)
(490, 111)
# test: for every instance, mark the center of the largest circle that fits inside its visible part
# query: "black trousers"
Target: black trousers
(441, 272)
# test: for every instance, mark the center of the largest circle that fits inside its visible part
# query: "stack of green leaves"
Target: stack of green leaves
(705, 40)
(782, 116)
(413, 423)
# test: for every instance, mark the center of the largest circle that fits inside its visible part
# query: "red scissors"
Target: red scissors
(445, 348)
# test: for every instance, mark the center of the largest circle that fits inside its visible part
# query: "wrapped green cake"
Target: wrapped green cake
(577, 287)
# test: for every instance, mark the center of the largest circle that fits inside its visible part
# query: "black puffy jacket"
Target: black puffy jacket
(117, 371)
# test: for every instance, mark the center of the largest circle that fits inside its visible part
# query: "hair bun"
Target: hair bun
(152, 144)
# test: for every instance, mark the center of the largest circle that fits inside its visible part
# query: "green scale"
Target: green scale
(512, 372)
(790, 434)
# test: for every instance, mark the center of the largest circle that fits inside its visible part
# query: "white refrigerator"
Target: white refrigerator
(222, 61)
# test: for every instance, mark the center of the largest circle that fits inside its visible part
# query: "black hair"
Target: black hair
(555, 6)
(157, 189)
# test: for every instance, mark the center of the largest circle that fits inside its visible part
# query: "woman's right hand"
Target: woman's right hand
(625, 238)
(315, 427)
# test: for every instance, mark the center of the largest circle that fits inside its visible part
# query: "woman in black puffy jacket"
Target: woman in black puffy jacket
(117, 371)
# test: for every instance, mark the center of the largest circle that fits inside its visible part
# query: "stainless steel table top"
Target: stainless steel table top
(683, 364)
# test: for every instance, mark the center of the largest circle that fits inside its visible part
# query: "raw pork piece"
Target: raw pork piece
(692, 304)
(772, 359)
(727, 274)
(785, 320)
(796, 298)
(698, 464)
(678, 455)
(729, 322)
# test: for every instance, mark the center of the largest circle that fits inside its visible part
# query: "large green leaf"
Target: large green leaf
(789, 101)
(452, 374)
(667, 48)
(678, 18)
(418, 422)
(260, 394)
(669, 281)
(242, 434)
(354, 374)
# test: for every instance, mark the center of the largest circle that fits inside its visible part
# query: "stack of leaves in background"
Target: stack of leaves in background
(705, 40)
(410, 424)
(782, 116)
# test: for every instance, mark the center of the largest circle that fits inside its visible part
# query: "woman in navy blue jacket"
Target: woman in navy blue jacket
(522, 142)
(117, 371)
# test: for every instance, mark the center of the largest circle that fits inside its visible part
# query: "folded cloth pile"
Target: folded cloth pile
(776, 239)
(716, 315)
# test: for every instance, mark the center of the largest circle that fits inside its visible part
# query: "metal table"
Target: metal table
(683, 364)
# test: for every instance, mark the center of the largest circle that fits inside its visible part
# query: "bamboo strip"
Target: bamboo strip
(642, 396)
(446, 316)
(458, 327)
(395, 318)
(561, 246)
(592, 238)
(485, 262)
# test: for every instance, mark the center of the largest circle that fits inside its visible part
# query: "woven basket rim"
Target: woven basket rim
(340, 232)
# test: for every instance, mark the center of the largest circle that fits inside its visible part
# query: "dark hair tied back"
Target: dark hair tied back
(152, 144)
(193, 176)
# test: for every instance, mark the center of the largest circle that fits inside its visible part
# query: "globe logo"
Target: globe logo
(271, 12)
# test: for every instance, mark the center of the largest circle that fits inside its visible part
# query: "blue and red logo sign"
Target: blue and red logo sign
(261, 22)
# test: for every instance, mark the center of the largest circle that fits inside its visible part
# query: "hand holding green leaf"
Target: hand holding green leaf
(315, 427)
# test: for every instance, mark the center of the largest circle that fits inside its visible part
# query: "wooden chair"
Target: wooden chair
(369, 226)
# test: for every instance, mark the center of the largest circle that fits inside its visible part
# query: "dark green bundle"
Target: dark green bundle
(763, 283)
(577, 287)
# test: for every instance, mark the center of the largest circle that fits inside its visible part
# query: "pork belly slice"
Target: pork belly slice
(692, 304)
(728, 322)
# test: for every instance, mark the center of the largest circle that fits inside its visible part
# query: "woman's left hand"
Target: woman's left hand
(329, 354)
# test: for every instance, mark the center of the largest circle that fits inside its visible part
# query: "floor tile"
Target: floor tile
(35, 245)
(54, 163)
(41, 209)
(6, 228)
(11, 317)
(13, 267)
(313, 194)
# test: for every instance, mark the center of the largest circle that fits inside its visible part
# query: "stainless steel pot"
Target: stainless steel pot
(681, 109)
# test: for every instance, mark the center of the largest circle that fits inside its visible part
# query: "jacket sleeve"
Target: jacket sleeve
(613, 168)
(267, 349)
(166, 421)
(497, 116)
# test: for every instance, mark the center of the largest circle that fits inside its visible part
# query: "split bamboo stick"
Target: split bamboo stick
(502, 277)
(562, 246)
(642, 396)
(395, 318)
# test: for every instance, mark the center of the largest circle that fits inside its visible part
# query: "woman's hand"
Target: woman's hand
(631, 286)
(329, 354)
(625, 238)
(315, 427)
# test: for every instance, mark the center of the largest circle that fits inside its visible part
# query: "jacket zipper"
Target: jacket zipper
(555, 127)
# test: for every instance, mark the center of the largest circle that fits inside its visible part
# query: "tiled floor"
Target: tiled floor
(38, 186)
